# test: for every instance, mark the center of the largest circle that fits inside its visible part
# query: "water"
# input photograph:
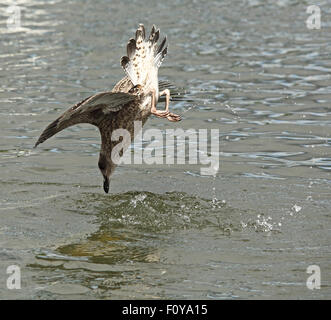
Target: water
(253, 70)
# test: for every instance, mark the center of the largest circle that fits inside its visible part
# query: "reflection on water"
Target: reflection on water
(132, 221)
(134, 228)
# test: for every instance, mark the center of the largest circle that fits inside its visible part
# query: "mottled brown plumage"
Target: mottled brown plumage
(133, 98)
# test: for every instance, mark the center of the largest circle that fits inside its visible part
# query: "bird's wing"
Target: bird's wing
(176, 93)
(88, 110)
(144, 56)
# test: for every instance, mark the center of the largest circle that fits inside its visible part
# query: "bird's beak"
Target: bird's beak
(106, 184)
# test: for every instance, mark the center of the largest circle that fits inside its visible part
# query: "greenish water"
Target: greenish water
(253, 70)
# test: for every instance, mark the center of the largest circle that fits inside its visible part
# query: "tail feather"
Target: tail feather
(140, 33)
(144, 56)
(155, 37)
(152, 32)
(160, 48)
(160, 57)
(131, 48)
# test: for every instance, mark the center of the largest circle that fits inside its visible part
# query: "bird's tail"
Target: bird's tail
(144, 55)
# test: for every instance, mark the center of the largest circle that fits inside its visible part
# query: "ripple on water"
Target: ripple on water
(132, 223)
(133, 227)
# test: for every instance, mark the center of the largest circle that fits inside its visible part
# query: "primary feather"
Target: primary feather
(87, 111)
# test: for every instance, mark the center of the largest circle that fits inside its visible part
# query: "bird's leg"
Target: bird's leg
(158, 113)
(166, 92)
(171, 116)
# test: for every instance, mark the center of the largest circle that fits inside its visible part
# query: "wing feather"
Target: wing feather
(88, 110)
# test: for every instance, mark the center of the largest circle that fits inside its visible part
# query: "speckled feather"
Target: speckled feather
(144, 57)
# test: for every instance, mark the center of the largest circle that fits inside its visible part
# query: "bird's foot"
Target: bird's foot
(174, 117)
(160, 114)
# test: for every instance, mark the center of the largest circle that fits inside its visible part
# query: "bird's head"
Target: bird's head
(106, 169)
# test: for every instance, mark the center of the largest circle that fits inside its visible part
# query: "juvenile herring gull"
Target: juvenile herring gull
(134, 98)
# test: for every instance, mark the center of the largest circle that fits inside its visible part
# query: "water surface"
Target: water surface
(253, 70)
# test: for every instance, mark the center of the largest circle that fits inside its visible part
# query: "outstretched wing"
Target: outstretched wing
(87, 111)
(144, 56)
(176, 93)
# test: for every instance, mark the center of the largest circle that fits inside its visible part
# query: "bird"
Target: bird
(133, 98)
